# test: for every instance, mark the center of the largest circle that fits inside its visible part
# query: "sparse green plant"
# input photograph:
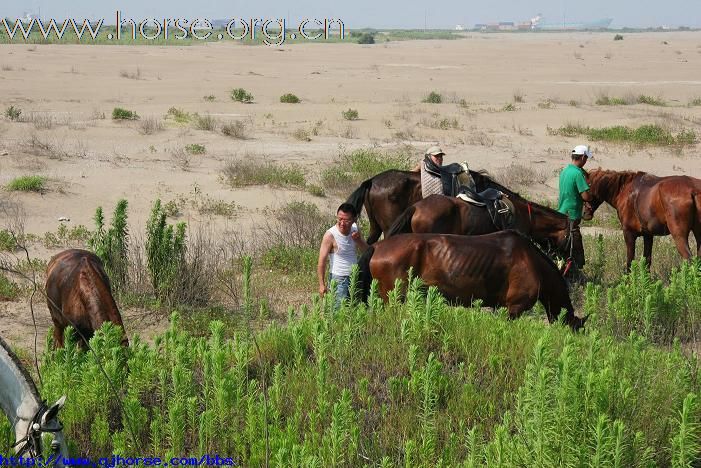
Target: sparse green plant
(28, 184)
(652, 101)
(518, 96)
(179, 115)
(695, 102)
(9, 291)
(433, 98)
(618, 37)
(508, 108)
(350, 114)
(241, 95)
(643, 135)
(209, 98)
(573, 103)
(316, 190)
(195, 148)
(112, 245)
(119, 113)
(366, 38)
(241, 173)
(8, 243)
(13, 113)
(150, 125)
(547, 104)
(165, 251)
(289, 98)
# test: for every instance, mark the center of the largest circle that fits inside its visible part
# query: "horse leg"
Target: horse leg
(697, 236)
(647, 249)
(375, 230)
(630, 238)
(58, 337)
(681, 239)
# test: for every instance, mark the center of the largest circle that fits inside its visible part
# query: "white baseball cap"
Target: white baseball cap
(434, 151)
(582, 150)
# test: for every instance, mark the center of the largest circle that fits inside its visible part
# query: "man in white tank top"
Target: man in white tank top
(340, 244)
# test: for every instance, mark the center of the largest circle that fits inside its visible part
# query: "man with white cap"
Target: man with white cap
(574, 191)
(430, 184)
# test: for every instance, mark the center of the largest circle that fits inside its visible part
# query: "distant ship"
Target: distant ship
(536, 24)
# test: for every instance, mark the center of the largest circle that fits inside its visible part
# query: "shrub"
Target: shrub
(150, 125)
(366, 38)
(235, 129)
(289, 98)
(165, 252)
(112, 245)
(433, 98)
(7, 241)
(123, 114)
(652, 101)
(301, 134)
(195, 148)
(356, 166)
(253, 172)
(350, 114)
(179, 115)
(618, 37)
(13, 113)
(209, 98)
(27, 184)
(9, 291)
(206, 122)
(508, 108)
(241, 95)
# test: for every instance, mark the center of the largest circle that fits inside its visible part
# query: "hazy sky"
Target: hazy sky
(373, 13)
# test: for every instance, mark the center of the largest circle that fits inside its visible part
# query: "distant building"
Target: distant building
(459, 27)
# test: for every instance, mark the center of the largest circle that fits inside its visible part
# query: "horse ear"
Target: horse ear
(52, 412)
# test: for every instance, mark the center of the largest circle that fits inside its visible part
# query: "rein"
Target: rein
(32, 439)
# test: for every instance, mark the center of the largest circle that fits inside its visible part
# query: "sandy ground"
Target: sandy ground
(92, 161)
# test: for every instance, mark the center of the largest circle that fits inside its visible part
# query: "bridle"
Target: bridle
(567, 245)
(31, 442)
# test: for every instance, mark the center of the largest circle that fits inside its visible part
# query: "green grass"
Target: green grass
(289, 98)
(350, 114)
(605, 100)
(9, 291)
(244, 173)
(13, 113)
(179, 115)
(195, 148)
(241, 95)
(27, 184)
(119, 113)
(653, 135)
(351, 168)
(433, 98)
(7, 241)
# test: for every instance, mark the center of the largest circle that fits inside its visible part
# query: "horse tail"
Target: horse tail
(402, 224)
(364, 275)
(357, 198)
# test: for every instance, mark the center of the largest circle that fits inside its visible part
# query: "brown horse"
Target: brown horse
(649, 206)
(502, 269)
(78, 293)
(449, 215)
(389, 193)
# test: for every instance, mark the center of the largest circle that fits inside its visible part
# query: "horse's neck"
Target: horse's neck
(539, 218)
(18, 397)
(614, 185)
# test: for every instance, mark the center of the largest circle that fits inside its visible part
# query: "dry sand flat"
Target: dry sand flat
(96, 161)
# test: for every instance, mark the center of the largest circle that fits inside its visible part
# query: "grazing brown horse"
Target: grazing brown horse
(389, 193)
(649, 206)
(449, 215)
(502, 269)
(79, 294)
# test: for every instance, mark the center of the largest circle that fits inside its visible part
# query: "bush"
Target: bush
(165, 252)
(8, 242)
(9, 291)
(433, 98)
(618, 37)
(235, 129)
(350, 114)
(179, 115)
(195, 148)
(253, 172)
(13, 113)
(366, 38)
(289, 98)
(27, 184)
(206, 122)
(241, 95)
(352, 168)
(123, 114)
(112, 245)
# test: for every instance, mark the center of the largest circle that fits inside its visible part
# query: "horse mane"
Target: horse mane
(493, 183)
(27, 376)
(536, 245)
(612, 181)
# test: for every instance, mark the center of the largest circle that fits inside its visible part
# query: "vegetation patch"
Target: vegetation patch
(179, 115)
(350, 114)
(353, 167)
(433, 98)
(119, 113)
(28, 184)
(653, 135)
(289, 98)
(241, 95)
(241, 173)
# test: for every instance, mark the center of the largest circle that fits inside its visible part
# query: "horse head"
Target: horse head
(45, 421)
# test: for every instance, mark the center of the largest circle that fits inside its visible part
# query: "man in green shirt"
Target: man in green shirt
(574, 191)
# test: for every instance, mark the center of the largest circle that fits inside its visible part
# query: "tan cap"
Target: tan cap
(434, 151)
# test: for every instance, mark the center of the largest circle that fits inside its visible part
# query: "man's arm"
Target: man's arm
(586, 196)
(324, 251)
(360, 243)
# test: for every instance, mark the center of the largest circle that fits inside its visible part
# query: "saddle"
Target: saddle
(498, 205)
(452, 176)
